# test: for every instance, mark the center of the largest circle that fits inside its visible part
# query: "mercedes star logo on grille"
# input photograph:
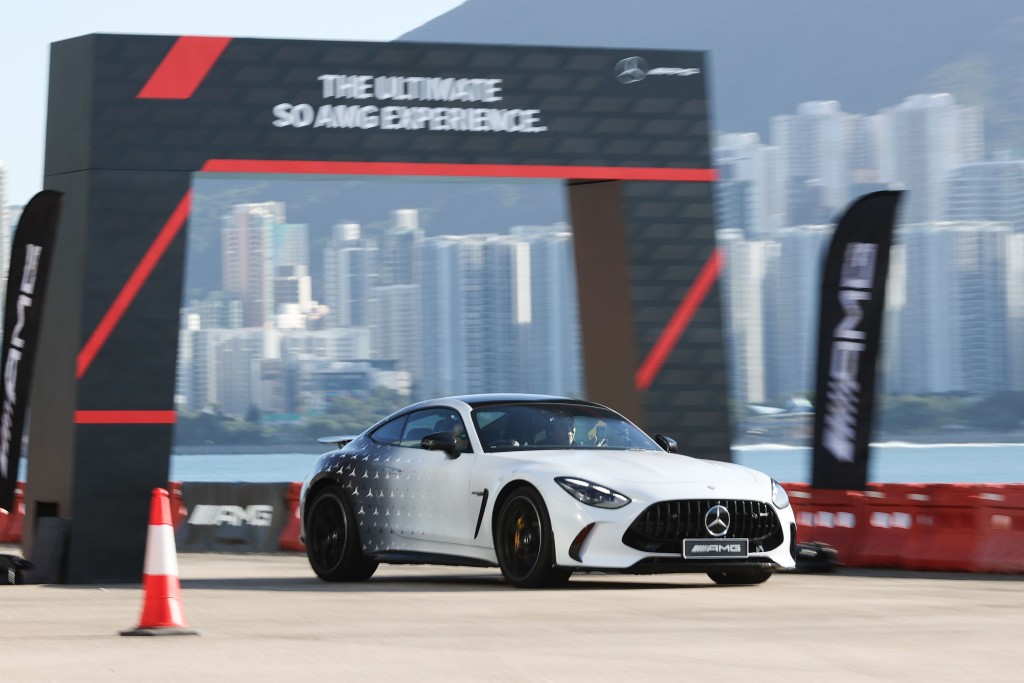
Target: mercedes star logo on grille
(631, 69)
(716, 520)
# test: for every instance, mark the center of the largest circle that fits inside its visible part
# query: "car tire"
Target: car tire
(332, 539)
(524, 543)
(741, 577)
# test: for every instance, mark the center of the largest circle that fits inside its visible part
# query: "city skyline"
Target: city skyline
(822, 158)
(954, 305)
(421, 312)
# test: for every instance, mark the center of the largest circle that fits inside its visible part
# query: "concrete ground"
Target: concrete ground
(267, 618)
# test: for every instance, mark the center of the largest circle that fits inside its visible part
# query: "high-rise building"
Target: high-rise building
(185, 361)
(474, 312)
(219, 310)
(290, 245)
(794, 260)
(953, 333)
(13, 216)
(293, 297)
(742, 283)
(554, 354)
(398, 265)
(351, 273)
(926, 137)
(987, 191)
(733, 200)
(443, 354)
(500, 313)
(1015, 308)
(749, 193)
(397, 327)
(815, 147)
(6, 226)
(225, 367)
(293, 286)
(247, 241)
(406, 219)
(890, 355)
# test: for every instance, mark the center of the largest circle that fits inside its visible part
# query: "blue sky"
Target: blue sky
(28, 28)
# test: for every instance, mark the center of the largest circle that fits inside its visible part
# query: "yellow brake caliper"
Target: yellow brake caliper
(520, 525)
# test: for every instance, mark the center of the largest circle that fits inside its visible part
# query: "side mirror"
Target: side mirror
(441, 441)
(667, 443)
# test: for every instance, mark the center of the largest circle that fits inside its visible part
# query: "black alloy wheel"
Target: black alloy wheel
(524, 544)
(332, 542)
(741, 577)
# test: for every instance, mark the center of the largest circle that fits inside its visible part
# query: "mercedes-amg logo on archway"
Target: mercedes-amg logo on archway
(716, 520)
(631, 69)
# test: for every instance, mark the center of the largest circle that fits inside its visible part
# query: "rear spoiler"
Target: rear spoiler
(340, 440)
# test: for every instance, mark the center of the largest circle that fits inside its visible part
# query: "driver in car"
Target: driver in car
(453, 425)
(558, 430)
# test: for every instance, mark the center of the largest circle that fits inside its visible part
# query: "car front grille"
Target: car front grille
(662, 527)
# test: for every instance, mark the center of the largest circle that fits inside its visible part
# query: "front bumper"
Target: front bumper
(603, 547)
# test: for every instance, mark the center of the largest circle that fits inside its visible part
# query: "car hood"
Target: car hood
(643, 467)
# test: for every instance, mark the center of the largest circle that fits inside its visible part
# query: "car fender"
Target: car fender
(566, 514)
(499, 482)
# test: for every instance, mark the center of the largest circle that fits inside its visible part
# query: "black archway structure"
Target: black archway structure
(132, 118)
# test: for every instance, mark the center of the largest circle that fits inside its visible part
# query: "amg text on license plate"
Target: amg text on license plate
(715, 549)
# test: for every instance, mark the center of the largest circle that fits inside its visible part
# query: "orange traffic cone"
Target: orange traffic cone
(161, 608)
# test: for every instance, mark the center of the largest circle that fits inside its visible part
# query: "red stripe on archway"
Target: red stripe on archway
(678, 323)
(183, 68)
(109, 417)
(478, 170)
(131, 288)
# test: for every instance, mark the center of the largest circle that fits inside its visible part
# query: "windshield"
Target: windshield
(533, 426)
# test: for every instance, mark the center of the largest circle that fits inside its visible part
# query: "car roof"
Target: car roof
(477, 400)
(480, 400)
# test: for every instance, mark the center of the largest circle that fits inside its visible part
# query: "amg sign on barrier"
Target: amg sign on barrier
(134, 119)
(232, 517)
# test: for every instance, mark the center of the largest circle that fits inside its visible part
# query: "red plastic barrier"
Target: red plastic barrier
(827, 516)
(12, 521)
(178, 510)
(289, 539)
(1000, 528)
(799, 495)
(947, 534)
(892, 527)
(937, 527)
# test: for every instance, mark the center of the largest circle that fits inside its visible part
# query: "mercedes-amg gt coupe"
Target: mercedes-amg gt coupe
(541, 487)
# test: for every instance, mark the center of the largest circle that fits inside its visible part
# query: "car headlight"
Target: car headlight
(592, 494)
(779, 495)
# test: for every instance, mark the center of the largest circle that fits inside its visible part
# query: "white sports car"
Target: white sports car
(541, 487)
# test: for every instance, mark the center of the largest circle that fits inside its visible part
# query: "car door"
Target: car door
(373, 483)
(433, 501)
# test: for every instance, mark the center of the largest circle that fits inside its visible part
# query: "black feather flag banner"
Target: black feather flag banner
(31, 253)
(849, 336)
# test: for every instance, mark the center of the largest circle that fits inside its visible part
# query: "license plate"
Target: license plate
(715, 549)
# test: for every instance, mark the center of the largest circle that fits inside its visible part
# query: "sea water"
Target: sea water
(997, 463)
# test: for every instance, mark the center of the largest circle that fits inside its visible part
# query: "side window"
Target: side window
(390, 432)
(419, 425)
(432, 421)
